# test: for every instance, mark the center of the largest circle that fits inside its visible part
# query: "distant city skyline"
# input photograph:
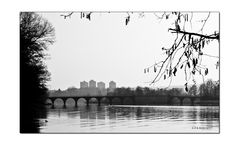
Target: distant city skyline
(105, 49)
(95, 84)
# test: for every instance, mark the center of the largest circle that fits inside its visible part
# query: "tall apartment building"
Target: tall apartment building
(101, 85)
(112, 85)
(92, 84)
(84, 84)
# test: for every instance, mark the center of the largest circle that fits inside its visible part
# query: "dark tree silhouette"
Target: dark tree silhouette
(36, 34)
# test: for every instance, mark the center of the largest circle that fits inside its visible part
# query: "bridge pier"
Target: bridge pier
(53, 106)
(87, 101)
(122, 101)
(52, 101)
(98, 100)
(64, 102)
(110, 101)
(193, 101)
(181, 101)
(169, 100)
(133, 99)
(76, 99)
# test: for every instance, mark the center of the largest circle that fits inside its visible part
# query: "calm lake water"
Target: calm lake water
(131, 119)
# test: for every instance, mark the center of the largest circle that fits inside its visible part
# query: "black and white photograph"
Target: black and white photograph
(119, 72)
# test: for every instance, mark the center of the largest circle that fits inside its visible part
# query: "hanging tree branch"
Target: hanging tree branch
(213, 36)
(193, 45)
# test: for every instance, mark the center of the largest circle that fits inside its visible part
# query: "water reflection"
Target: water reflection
(118, 118)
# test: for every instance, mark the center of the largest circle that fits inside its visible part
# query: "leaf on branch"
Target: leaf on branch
(199, 46)
(82, 15)
(188, 63)
(155, 69)
(170, 72)
(181, 66)
(177, 27)
(144, 70)
(186, 87)
(193, 72)
(127, 20)
(185, 53)
(164, 77)
(189, 37)
(88, 16)
(167, 17)
(217, 64)
(194, 63)
(174, 71)
(206, 71)
(203, 43)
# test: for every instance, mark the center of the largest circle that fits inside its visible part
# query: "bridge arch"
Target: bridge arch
(187, 101)
(57, 102)
(116, 101)
(70, 102)
(196, 101)
(105, 100)
(48, 101)
(95, 100)
(175, 101)
(128, 101)
(81, 101)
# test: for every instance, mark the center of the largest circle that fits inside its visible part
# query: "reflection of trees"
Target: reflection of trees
(72, 112)
(175, 114)
(209, 115)
(138, 113)
(112, 113)
(187, 101)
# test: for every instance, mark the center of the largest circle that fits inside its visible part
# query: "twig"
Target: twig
(68, 15)
(204, 22)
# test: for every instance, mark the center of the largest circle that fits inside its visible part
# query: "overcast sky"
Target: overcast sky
(105, 49)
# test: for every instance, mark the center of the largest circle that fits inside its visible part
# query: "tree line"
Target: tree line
(207, 90)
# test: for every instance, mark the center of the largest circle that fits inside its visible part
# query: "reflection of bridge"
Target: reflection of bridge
(193, 100)
(88, 98)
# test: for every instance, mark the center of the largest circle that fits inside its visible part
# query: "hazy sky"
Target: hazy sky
(104, 49)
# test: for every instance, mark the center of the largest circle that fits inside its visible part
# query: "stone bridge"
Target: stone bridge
(169, 101)
(88, 98)
(181, 99)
